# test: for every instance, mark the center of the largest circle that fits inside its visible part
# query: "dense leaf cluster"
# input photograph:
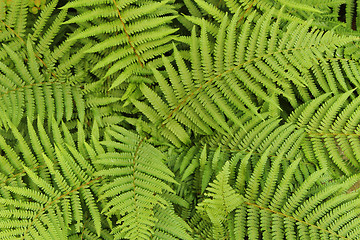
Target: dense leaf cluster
(179, 119)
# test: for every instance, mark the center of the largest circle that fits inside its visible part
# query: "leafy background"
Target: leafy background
(192, 119)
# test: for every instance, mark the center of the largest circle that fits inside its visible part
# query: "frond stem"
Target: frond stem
(55, 200)
(127, 35)
(184, 101)
(134, 169)
(22, 40)
(295, 219)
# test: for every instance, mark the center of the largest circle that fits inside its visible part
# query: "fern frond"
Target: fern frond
(136, 177)
(324, 12)
(179, 119)
(331, 129)
(13, 25)
(220, 201)
(288, 210)
(137, 33)
(58, 199)
(264, 68)
(26, 92)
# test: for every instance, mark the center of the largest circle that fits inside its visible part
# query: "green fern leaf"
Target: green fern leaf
(144, 33)
(137, 176)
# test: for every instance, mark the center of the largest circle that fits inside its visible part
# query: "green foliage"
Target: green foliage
(171, 119)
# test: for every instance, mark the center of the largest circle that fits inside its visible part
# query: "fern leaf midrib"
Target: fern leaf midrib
(13, 31)
(22, 41)
(295, 219)
(134, 178)
(127, 34)
(201, 87)
(56, 200)
(31, 85)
